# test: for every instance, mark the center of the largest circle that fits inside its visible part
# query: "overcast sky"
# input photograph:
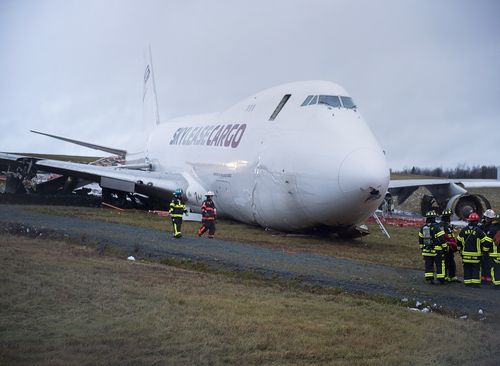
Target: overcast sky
(425, 74)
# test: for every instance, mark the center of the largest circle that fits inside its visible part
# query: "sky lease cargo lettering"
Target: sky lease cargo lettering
(220, 135)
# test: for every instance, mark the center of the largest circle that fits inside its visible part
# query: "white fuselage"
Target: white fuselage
(312, 166)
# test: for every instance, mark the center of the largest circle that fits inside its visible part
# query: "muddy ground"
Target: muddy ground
(308, 268)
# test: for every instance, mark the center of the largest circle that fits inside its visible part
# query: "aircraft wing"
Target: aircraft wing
(445, 193)
(465, 183)
(121, 178)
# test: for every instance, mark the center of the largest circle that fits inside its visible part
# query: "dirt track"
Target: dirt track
(313, 269)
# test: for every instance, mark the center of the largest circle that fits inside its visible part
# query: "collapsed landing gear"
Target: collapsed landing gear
(20, 180)
(126, 200)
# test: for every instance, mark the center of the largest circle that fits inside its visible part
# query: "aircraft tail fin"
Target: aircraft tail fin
(150, 113)
(119, 152)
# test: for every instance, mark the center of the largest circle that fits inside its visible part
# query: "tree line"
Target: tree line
(462, 171)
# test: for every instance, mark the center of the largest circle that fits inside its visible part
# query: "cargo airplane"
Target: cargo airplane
(294, 157)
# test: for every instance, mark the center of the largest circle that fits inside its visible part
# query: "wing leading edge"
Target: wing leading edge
(445, 193)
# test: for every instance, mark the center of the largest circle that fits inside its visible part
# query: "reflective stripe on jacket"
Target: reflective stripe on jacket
(208, 210)
(472, 242)
(435, 243)
(177, 208)
(493, 233)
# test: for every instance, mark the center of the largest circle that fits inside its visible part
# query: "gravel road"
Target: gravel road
(314, 269)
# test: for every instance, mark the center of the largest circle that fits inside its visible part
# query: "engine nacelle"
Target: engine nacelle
(462, 205)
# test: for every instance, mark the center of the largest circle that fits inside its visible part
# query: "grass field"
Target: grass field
(63, 304)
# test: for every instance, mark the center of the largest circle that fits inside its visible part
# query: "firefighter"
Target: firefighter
(487, 220)
(472, 242)
(208, 216)
(449, 254)
(177, 209)
(485, 224)
(494, 253)
(432, 246)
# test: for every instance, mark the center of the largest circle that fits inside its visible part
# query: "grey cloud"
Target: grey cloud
(424, 73)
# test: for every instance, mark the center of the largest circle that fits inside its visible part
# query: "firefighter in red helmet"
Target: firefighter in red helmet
(472, 242)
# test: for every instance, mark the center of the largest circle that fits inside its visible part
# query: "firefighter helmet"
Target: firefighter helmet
(489, 213)
(473, 217)
(447, 212)
(178, 192)
(431, 214)
(209, 193)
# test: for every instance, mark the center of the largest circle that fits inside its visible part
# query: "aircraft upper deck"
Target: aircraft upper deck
(268, 104)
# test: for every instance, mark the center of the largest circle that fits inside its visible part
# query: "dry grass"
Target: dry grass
(492, 194)
(65, 305)
(401, 176)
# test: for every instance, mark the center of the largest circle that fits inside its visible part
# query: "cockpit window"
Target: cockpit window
(331, 100)
(348, 103)
(280, 106)
(306, 102)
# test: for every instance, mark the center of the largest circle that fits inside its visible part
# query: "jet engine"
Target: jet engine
(461, 204)
(466, 203)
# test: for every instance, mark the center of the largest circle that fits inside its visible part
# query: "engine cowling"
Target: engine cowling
(462, 205)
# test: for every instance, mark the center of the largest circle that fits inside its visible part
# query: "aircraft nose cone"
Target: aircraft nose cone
(364, 170)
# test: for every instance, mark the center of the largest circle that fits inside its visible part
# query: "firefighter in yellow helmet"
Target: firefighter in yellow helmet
(432, 246)
(177, 209)
(472, 242)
